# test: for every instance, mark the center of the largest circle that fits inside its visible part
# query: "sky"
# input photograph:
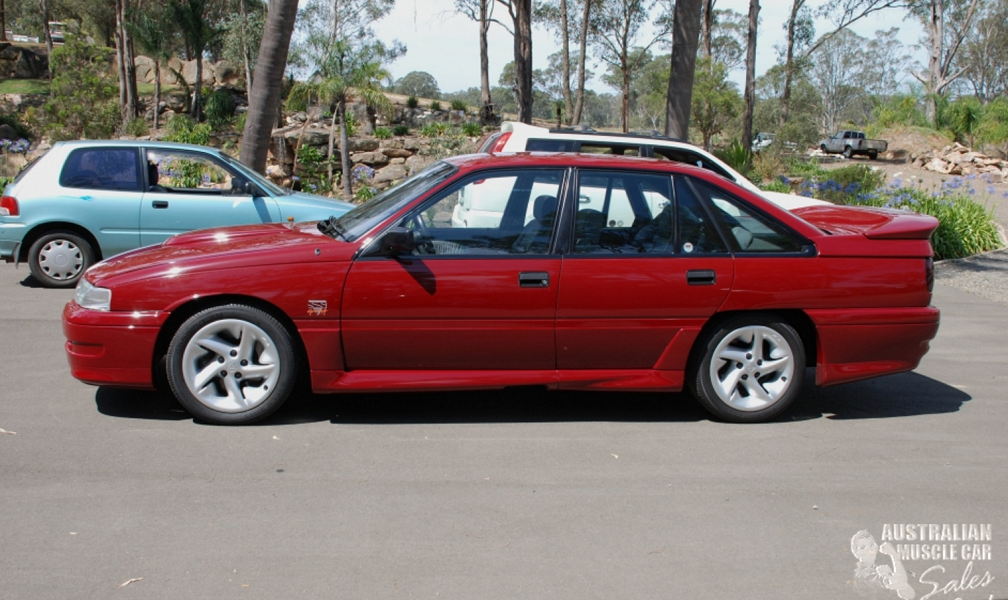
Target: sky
(446, 44)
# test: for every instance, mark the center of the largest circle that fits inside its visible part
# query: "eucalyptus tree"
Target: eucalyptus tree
(191, 16)
(946, 23)
(685, 37)
(152, 32)
(481, 11)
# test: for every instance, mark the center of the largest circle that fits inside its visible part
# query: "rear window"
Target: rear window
(24, 170)
(102, 169)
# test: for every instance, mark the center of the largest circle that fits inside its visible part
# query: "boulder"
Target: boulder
(189, 72)
(363, 144)
(955, 170)
(397, 161)
(389, 173)
(175, 101)
(226, 75)
(411, 144)
(417, 162)
(316, 136)
(397, 152)
(7, 132)
(144, 69)
(369, 158)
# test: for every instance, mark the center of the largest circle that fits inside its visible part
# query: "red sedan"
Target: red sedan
(584, 273)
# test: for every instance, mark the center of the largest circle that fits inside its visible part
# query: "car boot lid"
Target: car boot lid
(873, 223)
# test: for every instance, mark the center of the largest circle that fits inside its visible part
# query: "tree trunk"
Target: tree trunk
(789, 61)
(120, 60)
(706, 31)
(157, 94)
(750, 82)
(3, 20)
(565, 84)
(197, 105)
(625, 100)
(936, 25)
(523, 58)
(685, 37)
(44, 6)
(332, 147)
(484, 27)
(264, 96)
(245, 51)
(128, 97)
(345, 152)
(579, 104)
(132, 95)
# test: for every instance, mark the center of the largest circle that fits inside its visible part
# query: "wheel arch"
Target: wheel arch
(43, 228)
(190, 308)
(796, 318)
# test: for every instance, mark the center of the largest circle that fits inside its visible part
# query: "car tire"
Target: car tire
(848, 152)
(873, 155)
(58, 259)
(748, 369)
(232, 365)
(823, 148)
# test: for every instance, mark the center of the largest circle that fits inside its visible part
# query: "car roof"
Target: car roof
(587, 134)
(136, 143)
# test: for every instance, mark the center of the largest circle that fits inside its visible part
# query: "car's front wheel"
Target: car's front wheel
(749, 369)
(231, 364)
(58, 259)
(848, 152)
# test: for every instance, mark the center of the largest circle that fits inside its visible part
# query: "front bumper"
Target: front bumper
(112, 348)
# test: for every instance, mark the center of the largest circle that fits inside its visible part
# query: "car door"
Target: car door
(629, 290)
(102, 191)
(189, 190)
(468, 298)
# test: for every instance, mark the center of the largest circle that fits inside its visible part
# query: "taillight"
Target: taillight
(9, 206)
(929, 274)
(499, 144)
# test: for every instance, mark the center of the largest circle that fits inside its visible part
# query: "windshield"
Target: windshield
(365, 217)
(263, 182)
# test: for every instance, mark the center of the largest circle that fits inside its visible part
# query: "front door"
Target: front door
(190, 190)
(470, 297)
(646, 265)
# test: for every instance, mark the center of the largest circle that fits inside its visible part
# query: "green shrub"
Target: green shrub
(428, 131)
(459, 105)
(472, 129)
(382, 133)
(400, 130)
(435, 105)
(351, 124)
(84, 94)
(239, 123)
(412, 102)
(183, 129)
(314, 175)
(5, 181)
(218, 108)
(137, 127)
(776, 185)
(767, 165)
(737, 156)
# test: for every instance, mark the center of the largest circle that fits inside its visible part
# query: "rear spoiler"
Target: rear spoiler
(873, 223)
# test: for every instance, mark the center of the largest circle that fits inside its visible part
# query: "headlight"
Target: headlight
(91, 297)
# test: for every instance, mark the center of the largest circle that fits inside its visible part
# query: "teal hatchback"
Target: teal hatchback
(85, 201)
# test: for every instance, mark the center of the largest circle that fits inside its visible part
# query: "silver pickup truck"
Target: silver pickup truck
(850, 143)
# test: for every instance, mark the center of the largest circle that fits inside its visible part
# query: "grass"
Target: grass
(24, 86)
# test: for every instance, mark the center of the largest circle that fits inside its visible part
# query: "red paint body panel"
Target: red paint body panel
(446, 323)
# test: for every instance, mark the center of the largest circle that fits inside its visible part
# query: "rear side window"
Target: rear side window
(747, 231)
(102, 169)
(690, 158)
(603, 148)
(534, 145)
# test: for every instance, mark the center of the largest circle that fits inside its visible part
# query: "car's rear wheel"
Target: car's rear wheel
(58, 259)
(848, 152)
(231, 364)
(873, 155)
(749, 369)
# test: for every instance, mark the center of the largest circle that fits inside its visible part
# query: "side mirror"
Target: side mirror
(398, 240)
(251, 189)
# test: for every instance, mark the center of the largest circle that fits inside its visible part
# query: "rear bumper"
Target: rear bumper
(111, 348)
(855, 344)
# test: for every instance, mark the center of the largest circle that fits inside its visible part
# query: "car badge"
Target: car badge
(317, 308)
(687, 247)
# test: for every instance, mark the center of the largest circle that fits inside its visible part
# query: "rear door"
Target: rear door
(189, 190)
(469, 298)
(630, 287)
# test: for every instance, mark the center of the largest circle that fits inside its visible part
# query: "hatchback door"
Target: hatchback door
(189, 190)
(636, 279)
(468, 298)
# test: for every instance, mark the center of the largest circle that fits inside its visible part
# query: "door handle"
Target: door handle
(535, 279)
(704, 277)
(160, 204)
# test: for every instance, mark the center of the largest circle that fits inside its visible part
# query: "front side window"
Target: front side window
(102, 169)
(502, 213)
(747, 231)
(172, 171)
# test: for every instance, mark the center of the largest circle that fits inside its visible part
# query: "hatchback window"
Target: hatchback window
(107, 168)
(490, 214)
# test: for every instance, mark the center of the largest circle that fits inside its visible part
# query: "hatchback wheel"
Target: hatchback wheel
(231, 364)
(750, 370)
(59, 259)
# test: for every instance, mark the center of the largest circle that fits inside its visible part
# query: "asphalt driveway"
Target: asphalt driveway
(119, 494)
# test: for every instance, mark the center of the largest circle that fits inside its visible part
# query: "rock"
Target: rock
(226, 75)
(144, 69)
(174, 64)
(955, 170)
(919, 162)
(316, 136)
(397, 161)
(389, 173)
(189, 72)
(417, 162)
(937, 165)
(298, 117)
(7, 132)
(277, 172)
(411, 144)
(456, 117)
(175, 101)
(363, 145)
(369, 158)
(397, 152)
